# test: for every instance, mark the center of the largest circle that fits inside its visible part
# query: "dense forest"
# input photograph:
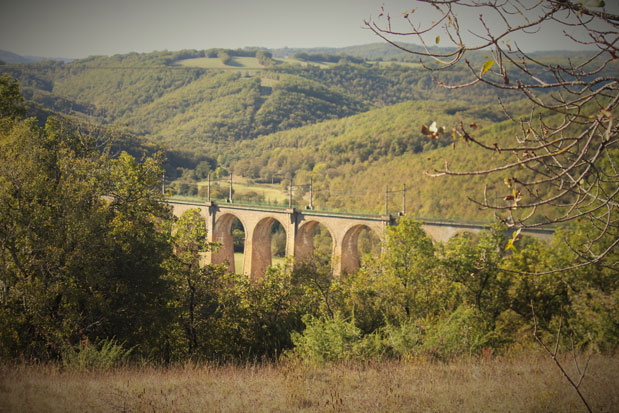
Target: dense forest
(96, 270)
(328, 114)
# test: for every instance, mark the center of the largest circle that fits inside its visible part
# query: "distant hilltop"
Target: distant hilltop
(10, 57)
(368, 51)
(372, 51)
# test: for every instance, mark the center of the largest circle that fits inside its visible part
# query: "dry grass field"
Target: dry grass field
(216, 63)
(529, 383)
(390, 64)
(243, 63)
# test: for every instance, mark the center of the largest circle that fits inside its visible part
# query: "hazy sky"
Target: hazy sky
(79, 28)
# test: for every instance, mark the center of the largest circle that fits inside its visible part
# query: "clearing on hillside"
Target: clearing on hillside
(243, 63)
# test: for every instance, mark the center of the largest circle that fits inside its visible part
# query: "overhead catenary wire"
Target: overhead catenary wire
(312, 191)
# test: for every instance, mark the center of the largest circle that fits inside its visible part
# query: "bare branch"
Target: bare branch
(553, 355)
(565, 151)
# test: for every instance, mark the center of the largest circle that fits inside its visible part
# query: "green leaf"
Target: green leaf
(438, 39)
(486, 66)
(510, 242)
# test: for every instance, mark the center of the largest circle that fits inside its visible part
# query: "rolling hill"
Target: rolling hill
(345, 117)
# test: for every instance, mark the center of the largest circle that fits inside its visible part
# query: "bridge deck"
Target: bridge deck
(542, 230)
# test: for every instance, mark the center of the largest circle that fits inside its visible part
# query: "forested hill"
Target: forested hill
(190, 99)
(342, 115)
(352, 160)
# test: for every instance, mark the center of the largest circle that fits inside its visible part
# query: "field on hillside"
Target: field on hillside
(243, 63)
(273, 193)
(395, 64)
(216, 63)
(529, 383)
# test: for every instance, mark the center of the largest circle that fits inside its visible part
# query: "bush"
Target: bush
(594, 320)
(324, 340)
(108, 353)
(226, 59)
(404, 340)
(462, 333)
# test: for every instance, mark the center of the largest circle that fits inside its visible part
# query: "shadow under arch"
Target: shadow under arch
(261, 257)
(304, 241)
(222, 233)
(350, 256)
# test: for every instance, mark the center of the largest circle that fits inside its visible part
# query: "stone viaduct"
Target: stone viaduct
(300, 225)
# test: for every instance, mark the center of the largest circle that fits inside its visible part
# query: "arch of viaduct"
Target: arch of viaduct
(300, 226)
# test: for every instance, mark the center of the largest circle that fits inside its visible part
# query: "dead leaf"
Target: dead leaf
(487, 65)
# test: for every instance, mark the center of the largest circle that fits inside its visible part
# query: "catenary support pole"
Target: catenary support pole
(404, 199)
(311, 204)
(290, 195)
(386, 199)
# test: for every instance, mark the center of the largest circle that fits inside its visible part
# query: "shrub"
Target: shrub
(594, 319)
(404, 340)
(108, 353)
(462, 333)
(331, 339)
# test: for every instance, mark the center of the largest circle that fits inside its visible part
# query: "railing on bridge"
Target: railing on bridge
(351, 213)
(311, 208)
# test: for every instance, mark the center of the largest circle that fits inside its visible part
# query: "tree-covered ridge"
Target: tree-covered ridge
(289, 120)
(149, 95)
(129, 89)
(369, 136)
(386, 83)
(351, 160)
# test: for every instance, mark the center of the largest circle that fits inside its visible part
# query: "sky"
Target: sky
(81, 28)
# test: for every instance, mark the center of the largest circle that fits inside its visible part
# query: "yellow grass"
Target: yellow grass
(238, 63)
(267, 82)
(242, 63)
(272, 193)
(404, 64)
(203, 62)
(238, 262)
(248, 62)
(527, 384)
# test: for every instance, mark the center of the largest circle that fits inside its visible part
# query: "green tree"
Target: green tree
(410, 257)
(81, 249)
(11, 101)
(194, 296)
(473, 262)
(406, 285)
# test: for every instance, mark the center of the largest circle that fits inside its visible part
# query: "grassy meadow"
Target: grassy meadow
(392, 64)
(239, 261)
(272, 193)
(216, 63)
(243, 63)
(529, 383)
